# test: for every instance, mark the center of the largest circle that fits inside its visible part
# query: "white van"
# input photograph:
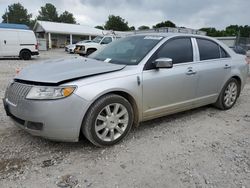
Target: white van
(18, 43)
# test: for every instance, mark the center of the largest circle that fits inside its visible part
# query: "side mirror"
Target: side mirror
(163, 63)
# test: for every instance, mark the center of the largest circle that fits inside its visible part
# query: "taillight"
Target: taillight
(248, 60)
(248, 57)
(36, 46)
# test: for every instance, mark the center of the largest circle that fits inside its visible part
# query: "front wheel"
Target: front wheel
(108, 121)
(228, 95)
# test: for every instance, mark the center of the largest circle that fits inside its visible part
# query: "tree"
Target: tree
(116, 23)
(17, 14)
(164, 24)
(48, 13)
(211, 31)
(143, 27)
(232, 30)
(67, 17)
(99, 27)
(132, 28)
(32, 23)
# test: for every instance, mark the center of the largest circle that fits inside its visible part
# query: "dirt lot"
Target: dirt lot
(204, 147)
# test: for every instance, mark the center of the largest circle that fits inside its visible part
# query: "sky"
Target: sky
(184, 13)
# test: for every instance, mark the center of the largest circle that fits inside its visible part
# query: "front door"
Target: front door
(170, 90)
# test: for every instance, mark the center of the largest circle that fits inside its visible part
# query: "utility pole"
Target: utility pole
(7, 16)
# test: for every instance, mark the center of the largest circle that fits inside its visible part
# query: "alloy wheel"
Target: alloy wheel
(111, 122)
(230, 94)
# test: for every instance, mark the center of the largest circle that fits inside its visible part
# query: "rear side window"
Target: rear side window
(208, 49)
(179, 50)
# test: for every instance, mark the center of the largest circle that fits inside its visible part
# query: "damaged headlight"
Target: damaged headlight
(48, 92)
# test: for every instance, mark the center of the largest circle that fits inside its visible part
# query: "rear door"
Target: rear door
(27, 40)
(9, 43)
(213, 67)
(169, 90)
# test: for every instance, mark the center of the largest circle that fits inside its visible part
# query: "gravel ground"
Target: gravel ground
(204, 147)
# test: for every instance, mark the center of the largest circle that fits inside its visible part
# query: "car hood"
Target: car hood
(90, 44)
(70, 45)
(62, 70)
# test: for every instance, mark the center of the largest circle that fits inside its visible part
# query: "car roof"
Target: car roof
(169, 34)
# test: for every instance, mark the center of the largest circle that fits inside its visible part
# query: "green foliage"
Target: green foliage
(17, 14)
(48, 13)
(164, 24)
(232, 30)
(116, 23)
(67, 17)
(211, 31)
(132, 28)
(99, 27)
(143, 27)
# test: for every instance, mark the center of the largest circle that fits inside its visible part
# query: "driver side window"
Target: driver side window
(106, 40)
(180, 50)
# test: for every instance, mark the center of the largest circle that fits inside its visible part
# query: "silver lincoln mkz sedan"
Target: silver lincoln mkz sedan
(133, 79)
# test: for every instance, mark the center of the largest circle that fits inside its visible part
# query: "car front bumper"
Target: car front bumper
(58, 120)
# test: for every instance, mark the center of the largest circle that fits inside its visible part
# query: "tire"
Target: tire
(229, 95)
(108, 120)
(25, 55)
(90, 51)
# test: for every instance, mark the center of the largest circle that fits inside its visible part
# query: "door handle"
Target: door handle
(4, 41)
(227, 66)
(190, 72)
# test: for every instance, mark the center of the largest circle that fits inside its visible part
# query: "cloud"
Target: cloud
(190, 13)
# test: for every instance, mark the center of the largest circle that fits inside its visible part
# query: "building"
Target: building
(14, 26)
(55, 35)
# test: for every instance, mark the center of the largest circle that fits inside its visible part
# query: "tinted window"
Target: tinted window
(106, 40)
(223, 53)
(179, 50)
(208, 49)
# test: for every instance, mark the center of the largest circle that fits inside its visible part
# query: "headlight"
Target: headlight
(47, 92)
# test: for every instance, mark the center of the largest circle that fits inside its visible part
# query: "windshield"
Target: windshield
(128, 50)
(97, 39)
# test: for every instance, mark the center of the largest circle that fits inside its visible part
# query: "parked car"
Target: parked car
(238, 50)
(134, 79)
(16, 41)
(71, 47)
(97, 43)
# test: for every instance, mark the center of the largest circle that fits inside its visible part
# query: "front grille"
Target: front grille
(17, 91)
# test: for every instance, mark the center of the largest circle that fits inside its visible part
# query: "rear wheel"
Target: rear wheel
(228, 95)
(108, 121)
(25, 55)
